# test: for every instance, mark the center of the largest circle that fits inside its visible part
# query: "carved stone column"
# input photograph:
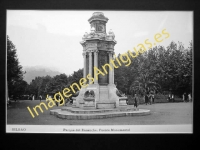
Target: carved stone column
(110, 71)
(95, 64)
(84, 65)
(113, 75)
(90, 63)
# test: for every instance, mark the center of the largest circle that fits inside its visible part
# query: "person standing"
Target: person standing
(183, 97)
(172, 97)
(169, 98)
(40, 97)
(33, 98)
(190, 97)
(186, 97)
(153, 97)
(59, 100)
(146, 98)
(136, 101)
(56, 101)
(150, 99)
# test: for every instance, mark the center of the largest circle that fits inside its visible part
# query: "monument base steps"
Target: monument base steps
(82, 114)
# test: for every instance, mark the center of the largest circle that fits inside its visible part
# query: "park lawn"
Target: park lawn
(18, 113)
(161, 113)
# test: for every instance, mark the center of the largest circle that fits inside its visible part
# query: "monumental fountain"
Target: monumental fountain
(99, 99)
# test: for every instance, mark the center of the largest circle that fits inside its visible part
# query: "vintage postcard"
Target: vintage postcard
(99, 71)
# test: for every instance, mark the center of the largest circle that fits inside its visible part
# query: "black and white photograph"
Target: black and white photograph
(99, 71)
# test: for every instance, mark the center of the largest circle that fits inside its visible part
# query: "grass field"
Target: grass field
(161, 113)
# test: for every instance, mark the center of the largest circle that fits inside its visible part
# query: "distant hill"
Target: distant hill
(32, 72)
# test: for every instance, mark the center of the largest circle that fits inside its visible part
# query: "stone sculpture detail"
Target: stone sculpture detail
(89, 94)
(103, 36)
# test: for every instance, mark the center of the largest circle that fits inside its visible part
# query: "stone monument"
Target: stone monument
(100, 99)
(98, 50)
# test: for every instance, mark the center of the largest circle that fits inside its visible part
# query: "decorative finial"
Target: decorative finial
(86, 34)
(111, 34)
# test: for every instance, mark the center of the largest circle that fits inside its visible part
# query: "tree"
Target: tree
(76, 76)
(39, 86)
(51, 85)
(35, 86)
(20, 88)
(158, 68)
(57, 84)
(14, 70)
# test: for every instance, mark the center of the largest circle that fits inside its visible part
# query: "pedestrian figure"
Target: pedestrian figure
(150, 99)
(153, 97)
(146, 98)
(186, 97)
(59, 99)
(172, 97)
(40, 97)
(169, 98)
(183, 97)
(136, 101)
(49, 98)
(190, 97)
(33, 98)
(57, 103)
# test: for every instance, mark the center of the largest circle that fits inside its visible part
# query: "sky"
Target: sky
(52, 38)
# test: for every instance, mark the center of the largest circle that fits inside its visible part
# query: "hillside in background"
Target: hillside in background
(32, 72)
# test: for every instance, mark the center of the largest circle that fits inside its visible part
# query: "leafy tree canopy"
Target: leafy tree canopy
(16, 84)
